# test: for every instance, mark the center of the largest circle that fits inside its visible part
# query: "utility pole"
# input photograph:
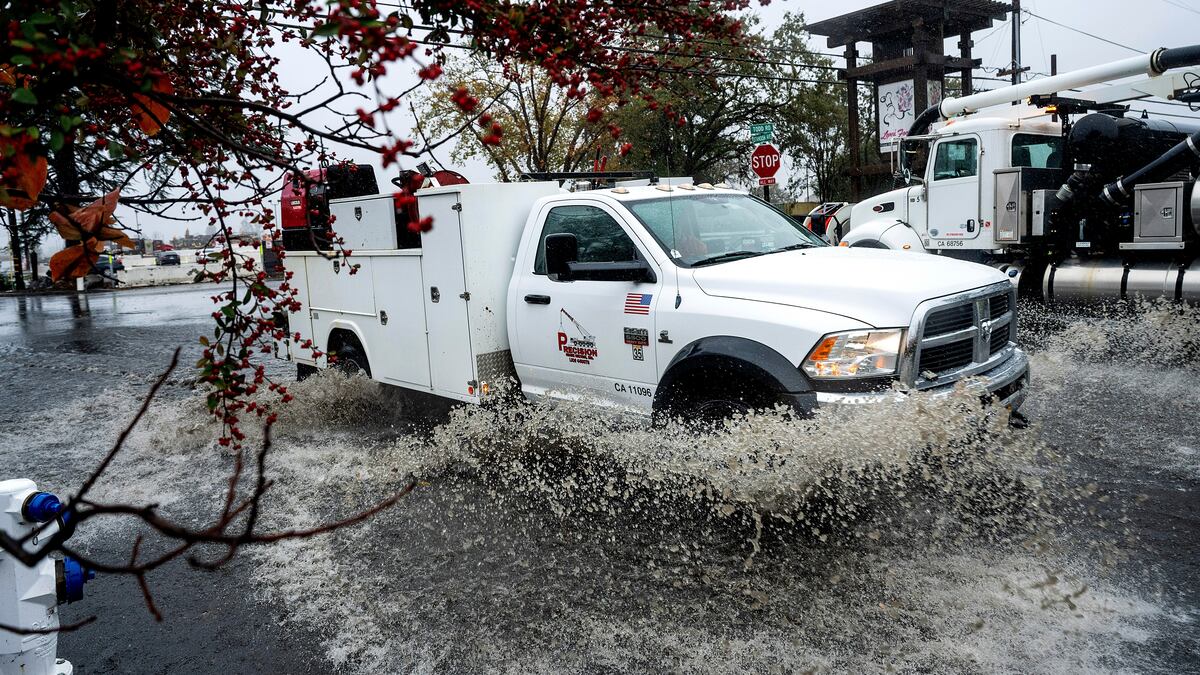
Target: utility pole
(852, 128)
(1014, 69)
(1016, 42)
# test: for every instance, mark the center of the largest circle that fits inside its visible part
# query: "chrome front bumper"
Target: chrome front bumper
(1008, 380)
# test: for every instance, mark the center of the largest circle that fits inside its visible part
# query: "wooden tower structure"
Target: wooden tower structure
(908, 67)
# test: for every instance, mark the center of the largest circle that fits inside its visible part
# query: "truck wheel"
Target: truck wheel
(350, 357)
(716, 410)
(708, 409)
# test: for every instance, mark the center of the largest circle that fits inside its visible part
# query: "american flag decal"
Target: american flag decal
(637, 303)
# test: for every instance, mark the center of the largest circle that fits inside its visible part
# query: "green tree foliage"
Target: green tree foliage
(811, 124)
(542, 128)
(696, 124)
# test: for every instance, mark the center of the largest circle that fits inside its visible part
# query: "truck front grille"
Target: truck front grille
(950, 319)
(947, 357)
(964, 337)
(998, 304)
(999, 341)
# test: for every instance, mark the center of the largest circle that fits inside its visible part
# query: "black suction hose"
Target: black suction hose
(1184, 152)
(1176, 57)
(926, 118)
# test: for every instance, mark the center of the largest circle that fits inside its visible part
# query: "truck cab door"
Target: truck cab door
(591, 337)
(953, 192)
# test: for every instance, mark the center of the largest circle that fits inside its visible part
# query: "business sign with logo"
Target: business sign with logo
(896, 104)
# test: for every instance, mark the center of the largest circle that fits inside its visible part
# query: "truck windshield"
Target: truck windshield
(701, 229)
(1038, 152)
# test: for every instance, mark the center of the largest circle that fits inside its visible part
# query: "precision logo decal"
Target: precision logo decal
(582, 349)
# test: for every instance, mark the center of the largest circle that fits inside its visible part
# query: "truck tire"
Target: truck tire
(305, 371)
(708, 409)
(352, 361)
(351, 358)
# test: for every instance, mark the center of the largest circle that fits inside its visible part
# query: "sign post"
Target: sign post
(764, 162)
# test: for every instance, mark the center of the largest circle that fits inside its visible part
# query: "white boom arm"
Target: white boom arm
(1153, 65)
(1163, 86)
(1135, 65)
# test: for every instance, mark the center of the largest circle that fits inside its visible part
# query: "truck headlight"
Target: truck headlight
(857, 353)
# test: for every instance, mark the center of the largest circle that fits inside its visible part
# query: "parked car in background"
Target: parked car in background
(203, 255)
(109, 264)
(829, 221)
(166, 258)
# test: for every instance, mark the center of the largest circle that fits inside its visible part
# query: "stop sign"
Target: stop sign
(764, 161)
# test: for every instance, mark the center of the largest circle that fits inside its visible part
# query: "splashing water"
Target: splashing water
(557, 537)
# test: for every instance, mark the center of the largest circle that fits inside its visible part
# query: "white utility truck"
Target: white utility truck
(675, 299)
(1067, 191)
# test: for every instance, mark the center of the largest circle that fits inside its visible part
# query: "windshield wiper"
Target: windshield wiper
(793, 247)
(725, 256)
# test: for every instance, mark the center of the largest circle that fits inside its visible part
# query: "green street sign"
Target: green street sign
(761, 133)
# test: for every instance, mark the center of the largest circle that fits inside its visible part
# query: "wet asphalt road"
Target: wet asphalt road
(72, 349)
(1128, 426)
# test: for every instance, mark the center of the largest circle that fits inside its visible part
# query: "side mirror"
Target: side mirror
(561, 250)
(637, 271)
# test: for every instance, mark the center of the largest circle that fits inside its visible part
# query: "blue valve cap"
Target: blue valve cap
(42, 506)
(75, 576)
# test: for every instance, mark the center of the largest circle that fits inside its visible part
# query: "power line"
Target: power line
(734, 59)
(1083, 32)
(1180, 5)
(761, 47)
(655, 52)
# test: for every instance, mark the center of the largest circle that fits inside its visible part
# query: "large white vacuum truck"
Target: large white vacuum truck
(1069, 192)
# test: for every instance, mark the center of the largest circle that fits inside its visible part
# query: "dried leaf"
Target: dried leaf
(66, 229)
(75, 261)
(150, 114)
(113, 234)
(99, 212)
(22, 176)
(92, 221)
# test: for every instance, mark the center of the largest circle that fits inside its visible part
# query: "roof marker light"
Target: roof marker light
(620, 191)
(705, 186)
(686, 187)
(664, 188)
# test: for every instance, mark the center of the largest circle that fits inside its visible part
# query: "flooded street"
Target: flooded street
(917, 537)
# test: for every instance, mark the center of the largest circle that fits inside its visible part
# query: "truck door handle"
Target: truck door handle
(537, 299)
(971, 225)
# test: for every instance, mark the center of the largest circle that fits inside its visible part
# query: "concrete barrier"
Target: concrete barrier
(157, 275)
(143, 271)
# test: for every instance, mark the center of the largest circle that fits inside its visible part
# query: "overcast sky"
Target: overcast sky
(1133, 27)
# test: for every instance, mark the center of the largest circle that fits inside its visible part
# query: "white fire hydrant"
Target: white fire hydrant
(29, 596)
